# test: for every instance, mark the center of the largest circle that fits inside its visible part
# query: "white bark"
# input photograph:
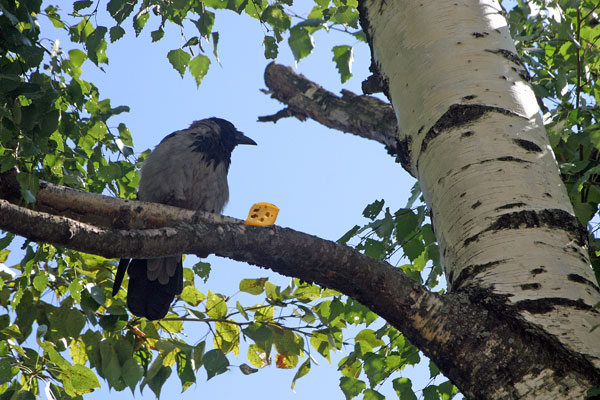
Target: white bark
(479, 149)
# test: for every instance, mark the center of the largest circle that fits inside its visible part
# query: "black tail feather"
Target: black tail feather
(146, 298)
(123, 264)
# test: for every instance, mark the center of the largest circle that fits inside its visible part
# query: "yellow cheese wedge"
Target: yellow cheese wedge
(262, 214)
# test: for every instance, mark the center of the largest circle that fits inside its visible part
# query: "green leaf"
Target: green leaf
(258, 332)
(350, 366)
(120, 9)
(116, 33)
(202, 270)
(77, 57)
(271, 48)
(199, 67)
(158, 380)
(139, 21)
(413, 249)
(80, 5)
(78, 380)
(303, 370)
(343, 58)
(96, 45)
(367, 337)
(351, 387)
(277, 17)
(132, 372)
(111, 368)
(215, 362)
(403, 388)
(179, 59)
(216, 3)
(215, 39)
(433, 369)
(40, 282)
(301, 42)
(185, 372)
(373, 209)
(406, 223)
(319, 340)
(370, 394)
(198, 353)
(157, 35)
(30, 185)
(375, 368)
(192, 296)
(215, 306)
(349, 235)
(205, 23)
(430, 393)
(346, 15)
(253, 286)
(227, 337)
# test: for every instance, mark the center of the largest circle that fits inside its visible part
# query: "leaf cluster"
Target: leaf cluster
(559, 44)
(404, 238)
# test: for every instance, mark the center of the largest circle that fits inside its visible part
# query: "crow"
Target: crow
(187, 169)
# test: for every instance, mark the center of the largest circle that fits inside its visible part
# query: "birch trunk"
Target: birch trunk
(472, 134)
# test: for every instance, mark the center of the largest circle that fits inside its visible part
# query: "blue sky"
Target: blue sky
(319, 178)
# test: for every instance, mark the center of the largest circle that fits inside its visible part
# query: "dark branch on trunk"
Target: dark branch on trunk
(364, 116)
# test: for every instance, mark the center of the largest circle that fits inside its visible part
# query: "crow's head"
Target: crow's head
(216, 138)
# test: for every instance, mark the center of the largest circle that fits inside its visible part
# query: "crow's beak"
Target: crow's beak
(240, 138)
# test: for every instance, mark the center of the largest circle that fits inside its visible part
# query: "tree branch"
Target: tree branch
(441, 326)
(364, 116)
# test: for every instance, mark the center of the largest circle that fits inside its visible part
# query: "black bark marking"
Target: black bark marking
(421, 129)
(528, 145)
(511, 158)
(364, 19)
(549, 304)
(509, 55)
(476, 204)
(580, 279)
(467, 134)
(537, 271)
(514, 58)
(469, 97)
(472, 270)
(531, 286)
(562, 360)
(510, 205)
(550, 218)
(479, 34)
(462, 195)
(459, 115)
(402, 152)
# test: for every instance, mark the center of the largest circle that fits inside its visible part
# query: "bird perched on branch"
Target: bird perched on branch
(187, 169)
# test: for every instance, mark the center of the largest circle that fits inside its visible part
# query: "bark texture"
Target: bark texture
(476, 142)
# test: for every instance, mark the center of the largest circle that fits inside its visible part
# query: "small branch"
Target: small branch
(364, 116)
(285, 113)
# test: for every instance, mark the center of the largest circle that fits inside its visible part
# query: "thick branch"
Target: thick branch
(418, 313)
(364, 116)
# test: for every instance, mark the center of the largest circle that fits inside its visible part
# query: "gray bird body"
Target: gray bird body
(187, 169)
